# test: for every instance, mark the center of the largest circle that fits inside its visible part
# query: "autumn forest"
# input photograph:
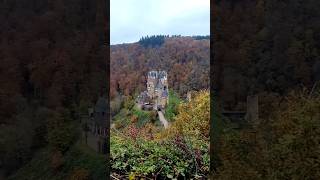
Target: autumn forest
(240, 103)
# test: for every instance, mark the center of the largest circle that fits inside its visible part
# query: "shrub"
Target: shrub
(61, 131)
(192, 120)
(147, 158)
(172, 108)
(287, 147)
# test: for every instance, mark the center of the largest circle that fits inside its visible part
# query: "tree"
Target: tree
(61, 132)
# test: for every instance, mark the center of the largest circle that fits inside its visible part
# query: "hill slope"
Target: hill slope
(186, 59)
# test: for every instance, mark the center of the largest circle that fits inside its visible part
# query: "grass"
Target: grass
(143, 116)
(171, 110)
(122, 119)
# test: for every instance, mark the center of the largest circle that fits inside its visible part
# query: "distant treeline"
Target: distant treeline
(158, 40)
(201, 37)
(152, 41)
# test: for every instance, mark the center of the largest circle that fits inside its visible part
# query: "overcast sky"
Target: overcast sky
(132, 19)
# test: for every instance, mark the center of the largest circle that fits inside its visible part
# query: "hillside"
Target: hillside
(186, 59)
(52, 63)
(141, 148)
(265, 47)
(270, 50)
(183, 65)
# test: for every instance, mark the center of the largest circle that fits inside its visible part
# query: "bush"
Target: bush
(143, 116)
(61, 131)
(287, 144)
(172, 108)
(141, 158)
(180, 151)
(192, 120)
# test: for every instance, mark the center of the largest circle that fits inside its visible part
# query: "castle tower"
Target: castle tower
(151, 83)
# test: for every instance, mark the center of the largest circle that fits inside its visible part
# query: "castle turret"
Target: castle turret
(151, 83)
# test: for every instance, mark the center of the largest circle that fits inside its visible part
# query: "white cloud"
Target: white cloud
(131, 19)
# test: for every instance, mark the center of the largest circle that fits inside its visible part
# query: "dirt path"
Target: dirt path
(163, 120)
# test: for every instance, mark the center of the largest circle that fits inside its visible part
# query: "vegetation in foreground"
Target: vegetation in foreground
(284, 146)
(79, 163)
(180, 151)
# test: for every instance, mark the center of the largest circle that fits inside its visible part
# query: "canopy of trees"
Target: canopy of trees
(270, 48)
(152, 41)
(185, 59)
(265, 46)
(52, 58)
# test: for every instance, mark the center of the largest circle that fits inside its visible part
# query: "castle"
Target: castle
(157, 94)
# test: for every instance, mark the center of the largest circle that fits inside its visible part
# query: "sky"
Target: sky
(132, 19)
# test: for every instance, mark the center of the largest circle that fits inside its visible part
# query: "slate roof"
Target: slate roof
(159, 85)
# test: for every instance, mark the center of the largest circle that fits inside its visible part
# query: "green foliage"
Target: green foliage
(286, 147)
(172, 109)
(143, 116)
(129, 103)
(156, 159)
(132, 114)
(134, 153)
(192, 120)
(152, 41)
(296, 129)
(121, 119)
(82, 157)
(61, 131)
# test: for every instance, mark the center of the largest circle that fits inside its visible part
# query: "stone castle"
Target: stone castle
(157, 93)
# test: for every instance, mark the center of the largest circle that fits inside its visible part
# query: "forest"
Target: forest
(269, 49)
(53, 60)
(140, 146)
(186, 60)
(53, 66)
